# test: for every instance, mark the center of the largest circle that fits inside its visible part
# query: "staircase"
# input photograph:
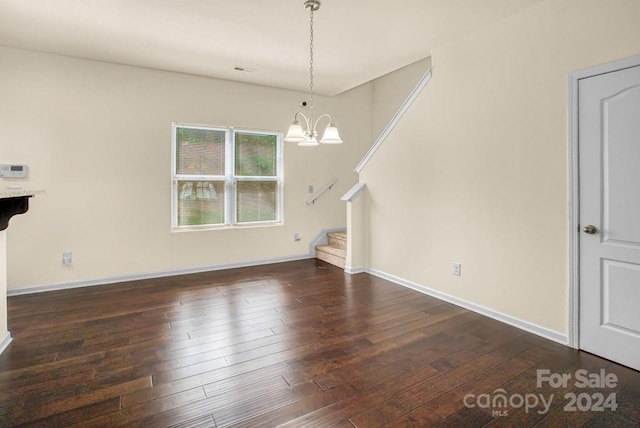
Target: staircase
(335, 251)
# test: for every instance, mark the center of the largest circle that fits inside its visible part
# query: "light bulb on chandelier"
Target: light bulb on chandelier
(308, 135)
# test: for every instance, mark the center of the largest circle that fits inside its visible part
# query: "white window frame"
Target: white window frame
(229, 178)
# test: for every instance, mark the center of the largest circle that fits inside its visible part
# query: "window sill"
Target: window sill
(208, 228)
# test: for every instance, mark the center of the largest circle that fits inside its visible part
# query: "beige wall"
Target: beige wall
(477, 170)
(97, 138)
(391, 90)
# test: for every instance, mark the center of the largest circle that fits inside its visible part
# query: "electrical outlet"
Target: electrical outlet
(310, 188)
(67, 258)
(296, 237)
(456, 269)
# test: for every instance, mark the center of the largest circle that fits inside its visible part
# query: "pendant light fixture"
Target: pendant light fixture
(307, 135)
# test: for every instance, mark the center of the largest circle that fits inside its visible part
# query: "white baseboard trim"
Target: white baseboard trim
(507, 319)
(152, 275)
(354, 270)
(6, 340)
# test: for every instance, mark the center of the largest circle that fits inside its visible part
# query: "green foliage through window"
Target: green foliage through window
(256, 154)
(208, 191)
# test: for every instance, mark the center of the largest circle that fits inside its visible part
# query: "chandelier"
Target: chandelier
(308, 135)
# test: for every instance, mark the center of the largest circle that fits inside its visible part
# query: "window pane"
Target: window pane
(200, 202)
(199, 151)
(256, 201)
(256, 155)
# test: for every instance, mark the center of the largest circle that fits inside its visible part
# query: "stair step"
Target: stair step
(340, 252)
(330, 254)
(337, 239)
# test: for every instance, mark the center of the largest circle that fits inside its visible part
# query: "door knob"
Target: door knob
(589, 229)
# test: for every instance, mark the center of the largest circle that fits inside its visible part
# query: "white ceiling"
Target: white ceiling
(355, 40)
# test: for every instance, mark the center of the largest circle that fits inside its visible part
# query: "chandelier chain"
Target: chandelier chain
(303, 128)
(311, 63)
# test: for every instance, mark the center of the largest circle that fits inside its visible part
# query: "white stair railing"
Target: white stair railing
(394, 121)
(353, 192)
(315, 197)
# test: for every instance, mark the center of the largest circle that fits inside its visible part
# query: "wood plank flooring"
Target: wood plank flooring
(297, 344)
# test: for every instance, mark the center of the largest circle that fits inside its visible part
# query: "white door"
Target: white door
(609, 164)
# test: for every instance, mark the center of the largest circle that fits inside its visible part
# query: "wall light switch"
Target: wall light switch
(310, 188)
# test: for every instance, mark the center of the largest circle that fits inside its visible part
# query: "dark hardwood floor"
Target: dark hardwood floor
(298, 344)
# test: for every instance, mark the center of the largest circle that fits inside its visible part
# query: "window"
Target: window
(226, 177)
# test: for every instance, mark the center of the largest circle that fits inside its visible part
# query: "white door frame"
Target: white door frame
(574, 190)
